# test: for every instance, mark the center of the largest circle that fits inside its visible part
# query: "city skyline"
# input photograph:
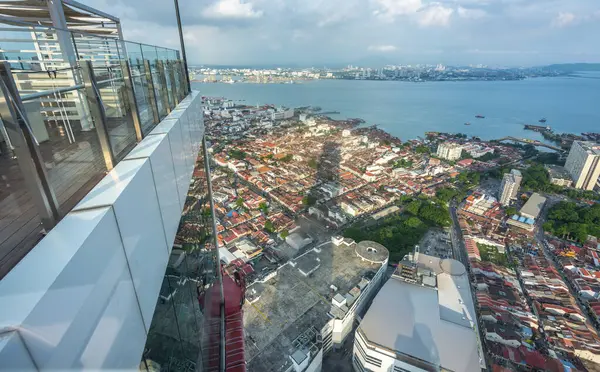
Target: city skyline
(456, 32)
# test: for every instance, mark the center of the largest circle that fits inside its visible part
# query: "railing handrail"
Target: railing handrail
(44, 93)
(5, 19)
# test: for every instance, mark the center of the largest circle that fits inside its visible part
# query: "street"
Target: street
(458, 245)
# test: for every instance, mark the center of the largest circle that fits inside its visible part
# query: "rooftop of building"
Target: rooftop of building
(534, 205)
(591, 148)
(556, 171)
(424, 318)
(292, 303)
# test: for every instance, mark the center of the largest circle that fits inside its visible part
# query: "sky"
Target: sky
(367, 32)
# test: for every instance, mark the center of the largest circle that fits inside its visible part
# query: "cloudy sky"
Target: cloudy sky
(326, 32)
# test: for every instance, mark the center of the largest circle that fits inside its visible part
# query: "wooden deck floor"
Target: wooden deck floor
(73, 169)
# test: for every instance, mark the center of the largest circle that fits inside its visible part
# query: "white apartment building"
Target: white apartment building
(449, 151)
(422, 319)
(509, 187)
(282, 114)
(583, 164)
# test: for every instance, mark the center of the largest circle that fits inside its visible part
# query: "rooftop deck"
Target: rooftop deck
(291, 303)
(72, 127)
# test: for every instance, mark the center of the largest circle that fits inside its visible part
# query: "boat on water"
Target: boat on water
(542, 120)
(480, 116)
(467, 123)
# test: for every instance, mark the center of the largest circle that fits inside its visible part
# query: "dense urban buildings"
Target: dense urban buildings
(449, 150)
(422, 319)
(583, 163)
(510, 186)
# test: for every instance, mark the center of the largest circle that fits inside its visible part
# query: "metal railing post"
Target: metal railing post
(164, 92)
(173, 91)
(26, 149)
(130, 96)
(151, 93)
(94, 100)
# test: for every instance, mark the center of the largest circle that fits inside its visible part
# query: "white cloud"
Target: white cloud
(470, 13)
(435, 15)
(382, 48)
(564, 19)
(389, 9)
(233, 9)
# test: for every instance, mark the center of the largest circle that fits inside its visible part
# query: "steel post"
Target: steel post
(94, 100)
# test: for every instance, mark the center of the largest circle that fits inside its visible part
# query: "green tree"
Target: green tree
(511, 211)
(413, 222)
(413, 207)
(237, 154)
(313, 163)
(309, 200)
(284, 234)
(422, 149)
(263, 207)
(269, 226)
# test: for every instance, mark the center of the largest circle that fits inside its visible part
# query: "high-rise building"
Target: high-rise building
(422, 319)
(102, 150)
(449, 151)
(583, 163)
(509, 187)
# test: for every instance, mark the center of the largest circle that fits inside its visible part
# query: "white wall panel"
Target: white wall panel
(186, 134)
(74, 305)
(172, 128)
(13, 354)
(158, 150)
(130, 189)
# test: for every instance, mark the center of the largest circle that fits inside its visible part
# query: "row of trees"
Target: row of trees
(536, 178)
(572, 221)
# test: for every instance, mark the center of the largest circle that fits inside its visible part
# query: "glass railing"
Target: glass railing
(73, 105)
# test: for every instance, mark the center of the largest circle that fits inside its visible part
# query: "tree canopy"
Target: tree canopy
(572, 221)
(237, 154)
(401, 232)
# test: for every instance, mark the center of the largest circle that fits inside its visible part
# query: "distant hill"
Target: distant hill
(574, 67)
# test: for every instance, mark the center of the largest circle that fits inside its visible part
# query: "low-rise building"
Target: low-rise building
(416, 319)
(559, 175)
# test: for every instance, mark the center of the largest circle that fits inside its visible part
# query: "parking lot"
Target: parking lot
(436, 242)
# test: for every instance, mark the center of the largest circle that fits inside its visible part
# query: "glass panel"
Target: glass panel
(163, 54)
(177, 79)
(151, 54)
(20, 224)
(140, 86)
(101, 51)
(118, 112)
(31, 48)
(188, 308)
(63, 127)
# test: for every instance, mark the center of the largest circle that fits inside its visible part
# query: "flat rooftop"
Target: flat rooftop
(557, 171)
(591, 148)
(291, 303)
(434, 324)
(534, 205)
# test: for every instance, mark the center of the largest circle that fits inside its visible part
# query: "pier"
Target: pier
(531, 142)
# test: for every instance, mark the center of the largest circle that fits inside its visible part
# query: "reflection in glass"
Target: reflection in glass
(184, 319)
(119, 120)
